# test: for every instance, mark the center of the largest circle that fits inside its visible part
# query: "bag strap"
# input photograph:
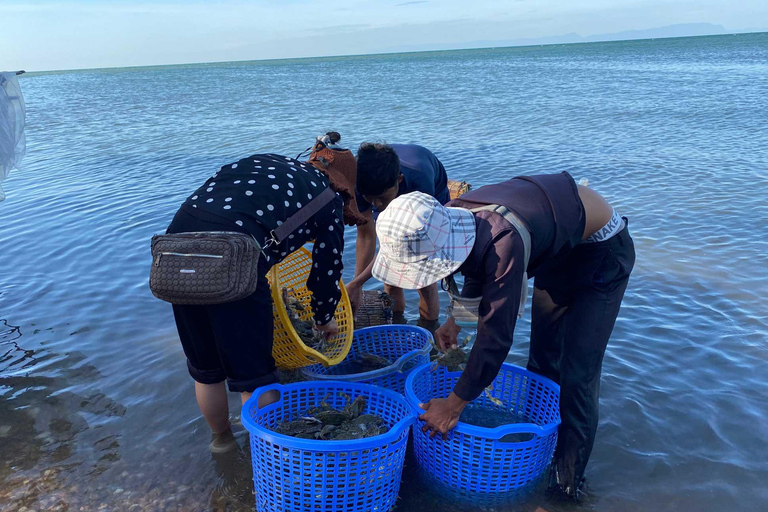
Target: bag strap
(525, 235)
(449, 285)
(516, 222)
(306, 212)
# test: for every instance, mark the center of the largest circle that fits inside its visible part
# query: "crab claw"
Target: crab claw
(493, 399)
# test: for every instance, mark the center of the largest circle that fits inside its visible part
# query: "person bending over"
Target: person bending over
(232, 341)
(581, 255)
(385, 172)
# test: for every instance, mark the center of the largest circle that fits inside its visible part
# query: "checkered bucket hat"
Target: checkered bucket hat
(421, 241)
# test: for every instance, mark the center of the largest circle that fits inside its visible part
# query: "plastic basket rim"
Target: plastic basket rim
(389, 437)
(397, 366)
(311, 355)
(489, 433)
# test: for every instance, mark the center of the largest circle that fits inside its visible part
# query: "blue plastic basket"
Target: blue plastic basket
(478, 462)
(298, 475)
(408, 346)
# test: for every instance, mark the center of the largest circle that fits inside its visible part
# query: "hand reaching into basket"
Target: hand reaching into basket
(355, 293)
(447, 336)
(442, 414)
(330, 329)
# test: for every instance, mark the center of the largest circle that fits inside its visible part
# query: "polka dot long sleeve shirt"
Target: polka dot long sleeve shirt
(257, 194)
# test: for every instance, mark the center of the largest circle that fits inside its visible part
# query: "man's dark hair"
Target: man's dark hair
(378, 168)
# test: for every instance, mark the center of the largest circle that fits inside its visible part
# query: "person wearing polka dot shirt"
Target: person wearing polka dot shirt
(233, 341)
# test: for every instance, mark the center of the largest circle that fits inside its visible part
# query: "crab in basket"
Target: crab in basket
(365, 362)
(455, 359)
(304, 328)
(323, 422)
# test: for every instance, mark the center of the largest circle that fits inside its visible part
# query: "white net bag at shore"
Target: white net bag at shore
(12, 113)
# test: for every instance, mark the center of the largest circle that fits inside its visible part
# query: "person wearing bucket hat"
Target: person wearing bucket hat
(421, 241)
(578, 250)
(383, 173)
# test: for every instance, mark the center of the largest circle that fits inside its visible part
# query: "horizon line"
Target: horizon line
(351, 55)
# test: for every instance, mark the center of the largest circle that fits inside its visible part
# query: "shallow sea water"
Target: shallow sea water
(97, 410)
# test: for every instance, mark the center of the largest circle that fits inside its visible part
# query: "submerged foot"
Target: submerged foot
(565, 478)
(430, 325)
(562, 480)
(398, 317)
(224, 442)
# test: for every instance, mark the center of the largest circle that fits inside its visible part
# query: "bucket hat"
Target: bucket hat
(421, 241)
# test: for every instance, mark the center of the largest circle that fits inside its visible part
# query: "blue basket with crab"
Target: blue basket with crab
(504, 440)
(291, 474)
(404, 347)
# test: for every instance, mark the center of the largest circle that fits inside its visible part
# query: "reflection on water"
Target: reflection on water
(96, 408)
(42, 420)
(62, 450)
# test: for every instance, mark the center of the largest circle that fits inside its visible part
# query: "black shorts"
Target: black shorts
(230, 341)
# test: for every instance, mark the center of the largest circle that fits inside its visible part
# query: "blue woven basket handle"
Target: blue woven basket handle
(517, 428)
(405, 358)
(496, 433)
(417, 411)
(265, 389)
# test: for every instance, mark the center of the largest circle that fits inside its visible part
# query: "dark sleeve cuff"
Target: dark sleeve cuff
(324, 312)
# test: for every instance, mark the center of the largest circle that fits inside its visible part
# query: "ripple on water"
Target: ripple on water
(96, 407)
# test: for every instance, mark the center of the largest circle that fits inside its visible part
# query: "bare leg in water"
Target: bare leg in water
(212, 400)
(429, 304)
(213, 403)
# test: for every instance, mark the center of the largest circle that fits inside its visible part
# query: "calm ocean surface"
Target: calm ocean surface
(96, 407)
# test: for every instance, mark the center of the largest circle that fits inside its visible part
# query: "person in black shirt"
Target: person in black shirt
(385, 172)
(233, 341)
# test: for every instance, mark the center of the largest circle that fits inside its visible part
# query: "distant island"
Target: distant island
(331, 49)
(678, 30)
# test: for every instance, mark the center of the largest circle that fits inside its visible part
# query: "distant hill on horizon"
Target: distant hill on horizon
(677, 30)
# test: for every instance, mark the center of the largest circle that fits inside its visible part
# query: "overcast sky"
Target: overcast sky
(47, 35)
